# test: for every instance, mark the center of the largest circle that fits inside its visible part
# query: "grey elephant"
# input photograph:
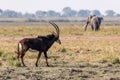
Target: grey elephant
(94, 21)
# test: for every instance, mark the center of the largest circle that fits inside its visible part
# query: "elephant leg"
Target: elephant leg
(86, 27)
(92, 27)
(97, 27)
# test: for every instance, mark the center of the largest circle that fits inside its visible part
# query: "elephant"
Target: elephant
(94, 21)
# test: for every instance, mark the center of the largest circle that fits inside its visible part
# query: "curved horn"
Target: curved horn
(56, 27)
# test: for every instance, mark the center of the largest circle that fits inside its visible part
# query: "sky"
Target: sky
(31, 6)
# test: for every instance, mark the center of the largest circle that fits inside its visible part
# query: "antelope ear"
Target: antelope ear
(53, 32)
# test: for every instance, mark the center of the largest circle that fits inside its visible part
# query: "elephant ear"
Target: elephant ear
(89, 19)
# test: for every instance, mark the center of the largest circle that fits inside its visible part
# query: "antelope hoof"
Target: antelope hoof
(24, 66)
(36, 65)
(48, 65)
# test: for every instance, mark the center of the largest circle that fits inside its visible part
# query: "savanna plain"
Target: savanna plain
(83, 55)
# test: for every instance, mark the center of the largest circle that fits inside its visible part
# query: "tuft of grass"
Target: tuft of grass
(63, 50)
(11, 60)
(1, 53)
(17, 63)
(116, 60)
(103, 60)
(10, 63)
(4, 54)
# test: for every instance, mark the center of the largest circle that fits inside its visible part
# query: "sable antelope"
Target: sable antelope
(94, 21)
(40, 43)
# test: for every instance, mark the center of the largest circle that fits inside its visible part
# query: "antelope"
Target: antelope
(40, 44)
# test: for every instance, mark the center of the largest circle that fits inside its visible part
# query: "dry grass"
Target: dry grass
(82, 55)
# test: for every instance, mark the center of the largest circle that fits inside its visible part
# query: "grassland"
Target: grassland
(82, 56)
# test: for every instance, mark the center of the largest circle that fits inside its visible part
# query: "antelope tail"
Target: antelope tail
(19, 47)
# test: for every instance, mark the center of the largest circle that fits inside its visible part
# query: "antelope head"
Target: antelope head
(56, 34)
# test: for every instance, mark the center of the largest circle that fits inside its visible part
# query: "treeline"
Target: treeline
(66, 12)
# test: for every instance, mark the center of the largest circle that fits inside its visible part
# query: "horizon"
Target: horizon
(32, 6)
